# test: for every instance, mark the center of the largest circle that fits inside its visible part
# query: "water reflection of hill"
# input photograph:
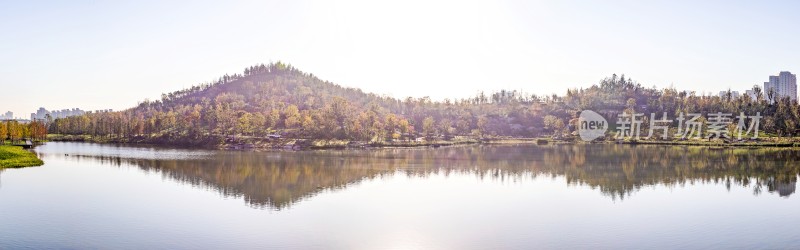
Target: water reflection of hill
(278, 179)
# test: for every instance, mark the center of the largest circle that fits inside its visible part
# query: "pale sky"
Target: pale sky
(114, 54)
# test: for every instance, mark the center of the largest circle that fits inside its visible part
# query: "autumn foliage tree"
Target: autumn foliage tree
(3, 132)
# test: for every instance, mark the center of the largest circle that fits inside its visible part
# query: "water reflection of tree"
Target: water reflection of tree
(278, 179)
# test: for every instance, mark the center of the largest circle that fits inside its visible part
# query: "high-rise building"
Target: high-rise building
(724, 94)
(7, 116)
(42, 113)
(782, 85)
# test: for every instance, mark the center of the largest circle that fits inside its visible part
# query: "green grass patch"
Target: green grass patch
(16, 157)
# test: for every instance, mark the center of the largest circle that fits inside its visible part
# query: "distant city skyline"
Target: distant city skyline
(100, 55)
(41, 114)
(7, 115)
(784, 85)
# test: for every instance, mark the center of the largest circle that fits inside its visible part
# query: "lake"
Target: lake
(464, 197)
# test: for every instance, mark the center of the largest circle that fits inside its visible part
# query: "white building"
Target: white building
(782, 85)
(724, 94)
(42, 113)
(7, 116)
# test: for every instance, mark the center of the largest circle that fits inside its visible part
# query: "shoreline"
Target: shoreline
(17, 157)
(287, 144)
(294, 144)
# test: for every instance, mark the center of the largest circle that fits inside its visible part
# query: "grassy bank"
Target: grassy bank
(16, 157)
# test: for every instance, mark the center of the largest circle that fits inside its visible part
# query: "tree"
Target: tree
(554, 124)
(3, 132)
(771, 93)
(292, 117)
(227, 105)
(464, 123)
(339, 111)
(429, 127)
(245, 125)
(257, 123)
(273, 118)
(404, 126)
(308, 124)
(445, 126)
(37, 130)
(759, 93)
(482, 123)
(14, 131)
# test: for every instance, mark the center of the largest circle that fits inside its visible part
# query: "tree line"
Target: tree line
(280, 99)
(15, 131)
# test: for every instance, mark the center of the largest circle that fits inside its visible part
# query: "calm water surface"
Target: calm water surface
(472, 197)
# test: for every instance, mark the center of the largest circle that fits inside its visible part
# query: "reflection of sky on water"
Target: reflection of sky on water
(121, 151)
(278, 179)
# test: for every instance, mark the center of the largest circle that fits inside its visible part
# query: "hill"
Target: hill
(278, 100)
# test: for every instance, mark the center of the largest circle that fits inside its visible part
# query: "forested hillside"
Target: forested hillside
(279, 99)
